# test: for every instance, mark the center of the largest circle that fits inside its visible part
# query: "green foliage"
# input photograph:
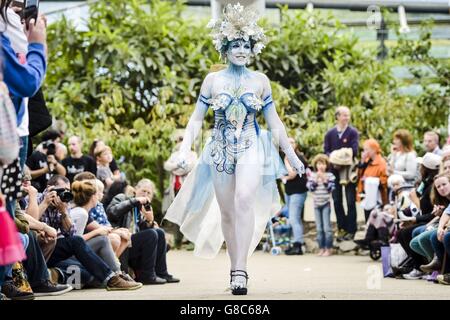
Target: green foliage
(133, 76)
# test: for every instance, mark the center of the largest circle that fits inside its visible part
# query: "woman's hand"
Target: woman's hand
(440, 234)
(437, 210)
(31, 191)
(37, 30)
(50, 233)
(103, 231)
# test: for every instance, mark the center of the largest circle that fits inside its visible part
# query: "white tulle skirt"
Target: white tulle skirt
(195, 208)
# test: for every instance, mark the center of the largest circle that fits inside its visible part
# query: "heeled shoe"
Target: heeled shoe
(238, 289)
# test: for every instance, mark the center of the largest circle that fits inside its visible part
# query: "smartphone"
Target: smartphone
(30, 10)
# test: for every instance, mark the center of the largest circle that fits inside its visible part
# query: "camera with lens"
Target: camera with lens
(50, 146)
(64, 194)
(148, 206)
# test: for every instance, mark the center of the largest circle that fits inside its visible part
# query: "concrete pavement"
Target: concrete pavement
(276, 277)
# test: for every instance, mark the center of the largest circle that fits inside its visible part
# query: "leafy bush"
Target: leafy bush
(133, 77)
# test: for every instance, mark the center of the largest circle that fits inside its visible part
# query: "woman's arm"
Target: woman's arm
(291, 172)
(411, 167)
(196, 120)
(442, 223)
(277, 128)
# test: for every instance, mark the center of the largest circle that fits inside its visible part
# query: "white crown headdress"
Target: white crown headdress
(237, 23)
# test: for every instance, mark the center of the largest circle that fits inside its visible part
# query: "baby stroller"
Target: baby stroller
(380, 227)
(278, 233)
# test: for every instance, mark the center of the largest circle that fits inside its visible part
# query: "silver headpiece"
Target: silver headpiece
(237, 23)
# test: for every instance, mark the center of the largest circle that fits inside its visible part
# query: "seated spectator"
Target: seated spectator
(445, 166)
(441, 245)
(431, 142)
(374, 190)
(116, 188)
(400, 192)
(120, 237)
(77, 162)
(402, 159)
(43, 164)
(97, 143)
(103, 156)
(321, 184)
(422, 243)
(147, 255)
(96, 236)
(420, 198)
(55, 212)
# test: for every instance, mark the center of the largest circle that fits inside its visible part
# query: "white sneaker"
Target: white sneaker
(413, 275)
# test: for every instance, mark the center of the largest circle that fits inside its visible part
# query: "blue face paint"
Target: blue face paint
(238, 54)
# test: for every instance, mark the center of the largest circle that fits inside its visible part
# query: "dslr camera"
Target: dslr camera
(50, 146)
(148, 206)
(64, 194)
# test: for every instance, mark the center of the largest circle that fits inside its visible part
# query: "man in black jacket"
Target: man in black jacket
(147, 255)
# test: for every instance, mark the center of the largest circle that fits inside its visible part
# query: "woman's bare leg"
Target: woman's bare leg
(224, 188)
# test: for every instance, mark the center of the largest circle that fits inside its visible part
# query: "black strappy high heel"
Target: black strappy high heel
(238, 291)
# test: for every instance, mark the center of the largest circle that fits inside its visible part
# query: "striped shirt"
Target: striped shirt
(321, 191)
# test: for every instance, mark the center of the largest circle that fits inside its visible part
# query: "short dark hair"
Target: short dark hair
(53, 181)
(50, 135)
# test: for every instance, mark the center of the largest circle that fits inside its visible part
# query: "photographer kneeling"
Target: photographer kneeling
(147, 255)
(54, 211)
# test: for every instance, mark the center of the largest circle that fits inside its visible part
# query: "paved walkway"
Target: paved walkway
(277, 277)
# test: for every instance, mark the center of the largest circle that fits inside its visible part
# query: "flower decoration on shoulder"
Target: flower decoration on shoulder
(237, 23)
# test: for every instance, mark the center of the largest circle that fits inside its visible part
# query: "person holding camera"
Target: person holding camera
(343, 136)
(54, 211)
(43, 164)
(147, 255)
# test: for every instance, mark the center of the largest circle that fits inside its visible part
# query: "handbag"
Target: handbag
(393, 258)
(9, 138)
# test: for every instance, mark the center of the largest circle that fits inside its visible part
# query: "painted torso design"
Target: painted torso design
(235, 127)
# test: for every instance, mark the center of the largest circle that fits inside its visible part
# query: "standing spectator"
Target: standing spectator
(343, 136)
(431, 143)
(372, 165)
(103, 157)
(77, 162)
(147, 255)
(321, 183)
(177, 177)
(23, 80)
(24, 70)
(296, 192)
(402, 159)
(113, 165)
(43, 165)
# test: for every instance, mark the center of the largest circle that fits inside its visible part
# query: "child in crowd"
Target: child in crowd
(103, 156)
(321, 184)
